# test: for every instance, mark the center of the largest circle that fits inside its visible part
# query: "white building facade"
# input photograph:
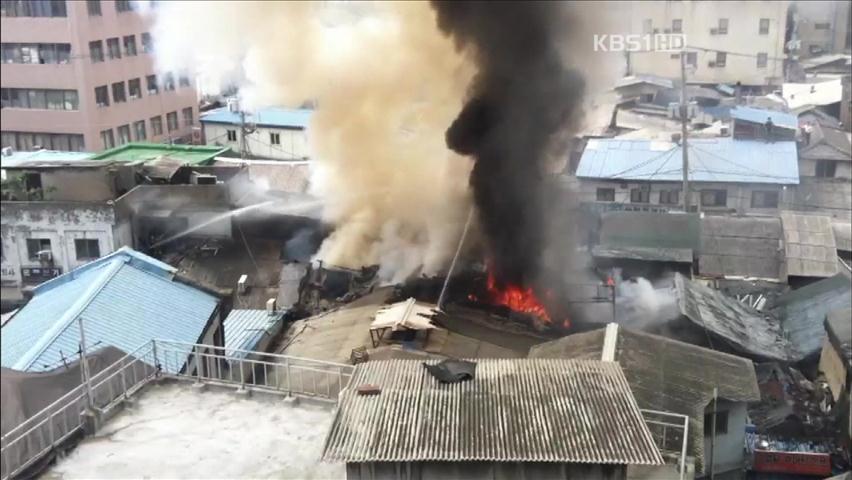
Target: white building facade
(272, 133)
(727, 42)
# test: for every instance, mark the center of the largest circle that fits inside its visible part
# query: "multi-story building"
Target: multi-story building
(823, 27)
(80, 76)
(272, 133)
(726, 42)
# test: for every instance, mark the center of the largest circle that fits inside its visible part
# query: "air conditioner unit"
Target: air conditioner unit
(714, 31)
(205, 179)
(711, 64)
(45, 256)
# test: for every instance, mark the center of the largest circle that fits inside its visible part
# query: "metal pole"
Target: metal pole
(84, 363)
(242, 135)
(455, 258)
(683, 114)
(683, 448)
(614, 318)
(713, 435)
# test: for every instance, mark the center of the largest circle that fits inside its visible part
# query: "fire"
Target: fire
(517, 298)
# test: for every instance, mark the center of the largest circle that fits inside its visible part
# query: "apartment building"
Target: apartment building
(79, 76)
(727, 42)
(823, 27)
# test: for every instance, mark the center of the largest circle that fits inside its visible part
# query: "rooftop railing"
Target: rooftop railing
(76, 413)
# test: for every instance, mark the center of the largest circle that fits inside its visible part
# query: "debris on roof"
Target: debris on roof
(125, 299)
(809, 245)
(839, 330)
(665, 374)
(451, 370)
(534, 400)
(802, 312)
(741, 246)
(740, 326)
(404, 315)
(711, 160)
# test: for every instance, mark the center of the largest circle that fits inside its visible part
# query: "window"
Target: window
(762, 59)
(130, 45)
(232, 135)
(721, 423)
(36, 53)
(33, 8)
(118, 95)
(107, 139)
(32, 183)
(677, 25)
(764, 199)
(139, 130)
(275, 138)
(102, 96)
(822, 26)
(669, 197)
(721, 58)
(606, 195)
(156, 125)
(183, 81)
(147, 47)
(151, 83)
(640, 195)
(123, 134)
(714, 198)
(763, 28)
(134, 88)
(172, 121)
(647, 26)
(123, 6)
(826, 168)
(96, 51)
(35, 245)
(187, 116)
(87, 249)
(40, 99)
(692, 59)
(23, 141)
(723, 26)
(168, 82)
(94, 7)
(113, 49)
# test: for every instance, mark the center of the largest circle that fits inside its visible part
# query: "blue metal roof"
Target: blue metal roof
(757, 115)
(125, 299)
(244, 329)
(20, 159)
(710, 160)
(267, 117)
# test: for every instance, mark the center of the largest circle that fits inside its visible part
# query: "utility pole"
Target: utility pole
(683, 114)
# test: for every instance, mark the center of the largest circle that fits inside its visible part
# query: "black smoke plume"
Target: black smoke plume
(521, 103)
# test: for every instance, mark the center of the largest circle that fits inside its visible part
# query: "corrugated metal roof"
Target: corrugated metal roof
(710, 160)
(842, 235)
(244, 329)
(665, 374)
(268, 117)
(22, 159)
(741, 246)
(125, 300)
(759, 115)
(650, 79)
(809, 245)
(526, 410)
(143, 152)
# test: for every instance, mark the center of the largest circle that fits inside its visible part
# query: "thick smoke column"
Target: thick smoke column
(521, 104)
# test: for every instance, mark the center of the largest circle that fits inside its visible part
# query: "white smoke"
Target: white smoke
(386, 83)
(642, 304)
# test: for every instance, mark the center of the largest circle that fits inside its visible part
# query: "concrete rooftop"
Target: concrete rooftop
(176, 431)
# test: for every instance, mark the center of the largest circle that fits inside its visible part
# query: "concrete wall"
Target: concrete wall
(293, 143)
(698, 18)
(729, 447)
(807, 168)
(739, 195)
(61, 223)
(832, 366)
(73, 184)
(81, 74)
(830, 40)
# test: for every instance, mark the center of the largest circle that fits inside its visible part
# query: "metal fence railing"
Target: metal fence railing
(32, 440)
(671, 433)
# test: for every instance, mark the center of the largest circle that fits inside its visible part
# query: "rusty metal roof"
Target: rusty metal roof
(526, 410)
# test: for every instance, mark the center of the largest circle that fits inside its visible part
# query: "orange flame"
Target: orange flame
(517, 298)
